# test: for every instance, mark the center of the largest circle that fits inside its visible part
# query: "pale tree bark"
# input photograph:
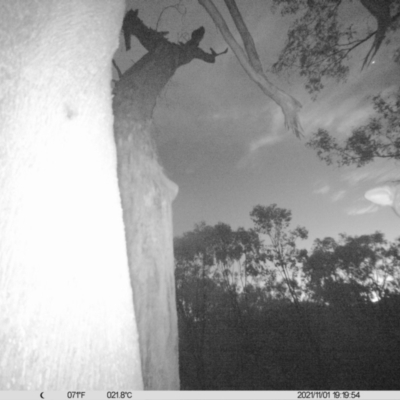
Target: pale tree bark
(141, 179)
(66, 314)
(250, 62)
(147, 195)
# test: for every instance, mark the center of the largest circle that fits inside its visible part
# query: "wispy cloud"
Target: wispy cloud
(264, 141)
(338, 195)
(379, 171)
(337, 118)
(267, 119)
(256, 145)
(232, 114)
(347, 121)
(322, 189)
(340, 111)
(359, 210)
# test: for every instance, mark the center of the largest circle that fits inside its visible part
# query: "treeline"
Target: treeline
(257, 313)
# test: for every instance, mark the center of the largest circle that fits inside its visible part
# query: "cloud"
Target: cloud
(338, 195)
(256, 145)
(323, 189)
(340, 111)
(264, 141)
(232, 113)
(359, 210)
(267, 118)
(379, 171)
(349, 120)
(338, 117)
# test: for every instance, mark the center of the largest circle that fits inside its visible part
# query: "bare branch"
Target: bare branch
(215, 54)
(152, 40)
(195, 52)
(289, 105)
(248, 41)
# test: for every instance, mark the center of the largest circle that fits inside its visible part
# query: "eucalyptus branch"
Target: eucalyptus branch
(247, 39)
(289, 105)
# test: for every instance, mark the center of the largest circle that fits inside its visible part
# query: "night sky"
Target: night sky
(224, 142)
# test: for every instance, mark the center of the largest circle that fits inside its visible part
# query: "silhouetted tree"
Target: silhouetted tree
(353, 270)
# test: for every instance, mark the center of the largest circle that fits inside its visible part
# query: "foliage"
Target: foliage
(315, 43)
(379, 138)
(318, 45)
(357, 269)
(274, 222)
(239, 335)
(275, 355)
(206, 276)
(221, 247)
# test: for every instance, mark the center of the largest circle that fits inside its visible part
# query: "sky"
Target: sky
(224, 142)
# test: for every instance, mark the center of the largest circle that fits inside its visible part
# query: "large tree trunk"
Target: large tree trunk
(146, 198)
(147, 195)
(66, 313)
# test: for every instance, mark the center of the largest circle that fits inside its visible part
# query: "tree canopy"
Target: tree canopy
(319, 43)
(234, 336)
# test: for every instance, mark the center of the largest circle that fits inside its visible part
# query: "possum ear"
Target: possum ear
(128, 27)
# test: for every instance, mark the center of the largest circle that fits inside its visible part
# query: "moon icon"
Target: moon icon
(41, 395)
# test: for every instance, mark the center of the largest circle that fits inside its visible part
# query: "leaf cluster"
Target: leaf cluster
(232, 339)
(379, 138)
(318, 44)
(354, 269)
